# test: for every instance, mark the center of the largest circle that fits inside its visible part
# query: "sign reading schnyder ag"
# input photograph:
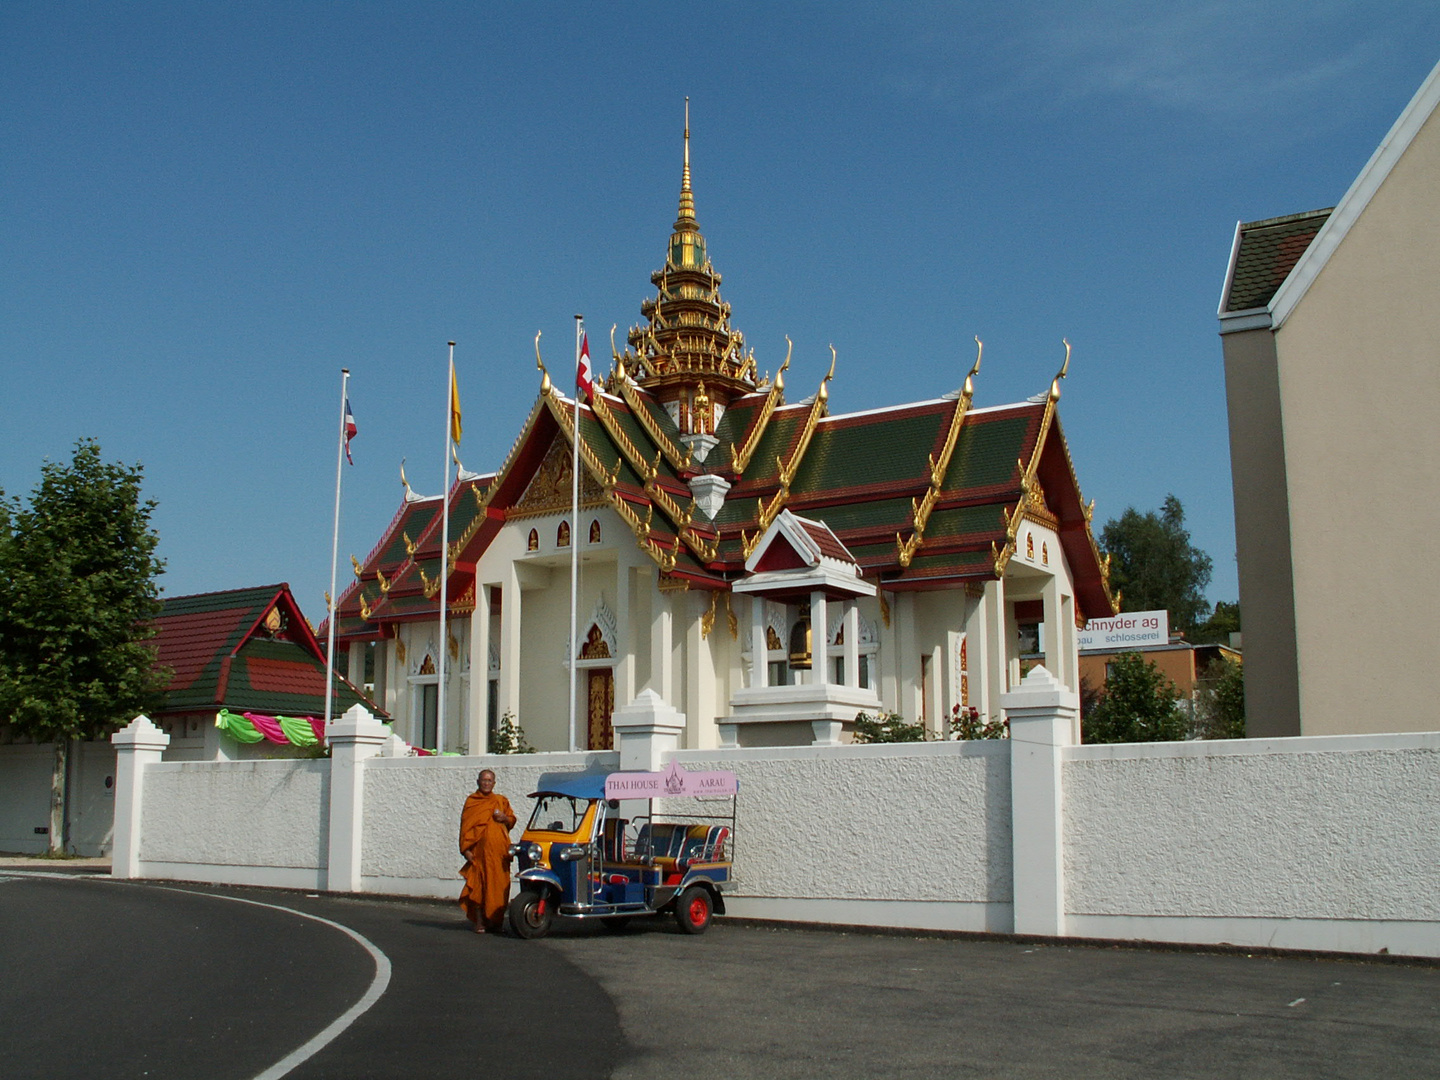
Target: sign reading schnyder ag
(1128, 630)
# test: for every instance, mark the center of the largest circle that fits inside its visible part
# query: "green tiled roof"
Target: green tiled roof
(988, 449)
(886, 449)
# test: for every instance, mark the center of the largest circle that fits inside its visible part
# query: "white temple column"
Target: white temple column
(625, 688)
(759, 649)
(479, 734)
(662, 624)
(1055, 657)
(907, 669)
(700, 682)
(997, 651)
(819, 638)
(852, 642)
(510, 644)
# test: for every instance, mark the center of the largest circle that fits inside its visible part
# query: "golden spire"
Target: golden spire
(687, 200)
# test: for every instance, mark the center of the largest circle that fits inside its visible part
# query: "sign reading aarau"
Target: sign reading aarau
(1128, 630)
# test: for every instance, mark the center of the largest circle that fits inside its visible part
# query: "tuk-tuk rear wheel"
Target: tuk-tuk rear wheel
(693, 909)
(531, 913)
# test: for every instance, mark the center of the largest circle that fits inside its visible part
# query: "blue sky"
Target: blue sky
(212, 208)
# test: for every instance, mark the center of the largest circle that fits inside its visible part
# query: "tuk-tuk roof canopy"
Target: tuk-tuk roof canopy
(577, 785)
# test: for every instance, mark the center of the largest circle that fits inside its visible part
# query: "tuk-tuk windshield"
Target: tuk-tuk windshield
(558, 813)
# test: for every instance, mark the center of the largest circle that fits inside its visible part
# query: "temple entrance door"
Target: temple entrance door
(600, 704)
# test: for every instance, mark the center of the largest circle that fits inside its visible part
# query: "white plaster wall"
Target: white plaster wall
(1336, 828)
(412, 813)
(235, 813)
(25, 797)
(912, 822)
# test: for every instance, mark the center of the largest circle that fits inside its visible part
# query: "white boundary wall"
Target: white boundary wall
(1329, 843)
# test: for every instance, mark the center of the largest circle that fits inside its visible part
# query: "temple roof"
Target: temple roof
(926, 495)
(247, 650)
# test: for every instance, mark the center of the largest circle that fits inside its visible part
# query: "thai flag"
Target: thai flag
(350, 429)
(584, 375)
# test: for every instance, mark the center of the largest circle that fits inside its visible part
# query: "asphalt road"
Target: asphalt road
(106, 979)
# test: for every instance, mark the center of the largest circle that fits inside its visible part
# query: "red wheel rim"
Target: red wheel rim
(698, 910)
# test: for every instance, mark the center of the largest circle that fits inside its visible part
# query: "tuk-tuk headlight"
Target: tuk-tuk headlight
(533, 852)
(513, 850)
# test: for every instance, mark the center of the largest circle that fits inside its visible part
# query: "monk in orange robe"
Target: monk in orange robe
(485, 826)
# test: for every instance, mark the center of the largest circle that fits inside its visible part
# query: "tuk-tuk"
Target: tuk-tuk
(579, 858)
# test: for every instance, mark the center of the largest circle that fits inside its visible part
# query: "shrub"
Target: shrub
(1137, 704)
(510, 737)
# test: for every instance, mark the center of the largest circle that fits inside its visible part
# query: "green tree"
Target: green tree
(1137, 704)
(77, 599)
(1223, 621)
(1154, 565)
(1220, 701)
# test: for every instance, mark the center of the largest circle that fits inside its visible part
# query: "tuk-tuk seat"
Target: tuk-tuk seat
(703, 844)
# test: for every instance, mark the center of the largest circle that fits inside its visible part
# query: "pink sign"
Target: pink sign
(674, 781)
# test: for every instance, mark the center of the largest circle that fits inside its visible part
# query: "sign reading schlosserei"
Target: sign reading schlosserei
(672, 782)
(1128, 630)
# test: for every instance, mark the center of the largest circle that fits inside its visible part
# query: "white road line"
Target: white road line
(341, 1022)
(303, 1053)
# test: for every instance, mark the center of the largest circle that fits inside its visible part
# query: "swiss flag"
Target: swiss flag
(584, 374)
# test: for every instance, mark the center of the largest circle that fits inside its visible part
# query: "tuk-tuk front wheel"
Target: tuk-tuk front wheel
(531, 913)
(693, 909)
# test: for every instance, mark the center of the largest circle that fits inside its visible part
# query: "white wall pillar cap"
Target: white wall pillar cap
(140, 734)
(648, 711)
(1040, 690)
(358, 725)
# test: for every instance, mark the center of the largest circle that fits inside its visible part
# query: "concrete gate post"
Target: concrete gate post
(1042, 714)
(647, 731)
(352, 738)
(138, 745)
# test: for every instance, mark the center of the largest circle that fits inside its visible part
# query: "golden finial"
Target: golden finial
(364, 607)
(545, 375)
(1055, 384)
(823, 393)
(384, 585)
(687, 200)
(356, 563)
(328, 606)
(405, 483)
(970, 379)
(615, 356)
(409, 544)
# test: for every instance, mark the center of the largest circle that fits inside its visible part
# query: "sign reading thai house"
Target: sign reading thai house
(673, 781)
(1128, 630)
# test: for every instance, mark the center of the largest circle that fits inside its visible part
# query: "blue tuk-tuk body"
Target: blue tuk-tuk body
(579, 858)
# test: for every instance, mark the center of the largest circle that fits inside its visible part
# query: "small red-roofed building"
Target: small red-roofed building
(241, 650)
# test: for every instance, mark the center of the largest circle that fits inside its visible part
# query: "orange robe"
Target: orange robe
(485, 844)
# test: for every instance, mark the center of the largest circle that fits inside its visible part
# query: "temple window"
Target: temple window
(562, 535)
(533, 543)
(595, 531)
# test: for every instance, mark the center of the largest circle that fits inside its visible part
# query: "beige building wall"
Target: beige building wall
(1262, 533)
(1359, 375)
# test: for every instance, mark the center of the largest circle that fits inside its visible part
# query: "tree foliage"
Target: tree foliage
(1137, 704)
(1154, 565)
(1220, 701)
(77, 596)
(1223, 621)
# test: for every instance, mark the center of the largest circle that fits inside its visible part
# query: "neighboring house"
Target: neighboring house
(242, 650)
(1330, 322)
(1181, 662)
(767, 568)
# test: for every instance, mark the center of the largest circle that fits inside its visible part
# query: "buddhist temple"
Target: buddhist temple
(766, 567)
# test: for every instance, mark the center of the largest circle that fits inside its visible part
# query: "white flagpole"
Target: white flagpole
(575, 530)
(444, 561)
(335, 550)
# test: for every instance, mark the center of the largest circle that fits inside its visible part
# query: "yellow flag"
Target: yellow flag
(454, 406)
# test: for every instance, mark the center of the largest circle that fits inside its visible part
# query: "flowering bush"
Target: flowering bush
(965, 723)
